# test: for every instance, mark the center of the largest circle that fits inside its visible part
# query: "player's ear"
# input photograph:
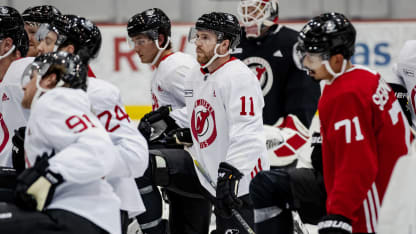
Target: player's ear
(49, 81)
(224, 46)
(161, 39)
(71, 48)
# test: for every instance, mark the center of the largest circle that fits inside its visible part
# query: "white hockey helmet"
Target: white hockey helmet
(257, 14)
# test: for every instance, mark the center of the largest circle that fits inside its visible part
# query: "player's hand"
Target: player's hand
(18, 152)
(36, 185)
(227, 190)
(334, 224)
(145, 128)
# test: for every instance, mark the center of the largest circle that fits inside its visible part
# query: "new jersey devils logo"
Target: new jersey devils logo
(263, 72)
(203, 125)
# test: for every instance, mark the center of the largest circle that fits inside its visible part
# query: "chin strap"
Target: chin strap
(8, 52)
(160, 50)
(216, 55)
(329, 69)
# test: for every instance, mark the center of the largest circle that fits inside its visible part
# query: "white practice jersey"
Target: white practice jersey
(405, 69)
(107, 105)
(12, 114)
(168, 79)
(61, 121)
(225, 114)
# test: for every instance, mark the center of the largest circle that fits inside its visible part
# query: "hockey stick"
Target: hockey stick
(236, 214)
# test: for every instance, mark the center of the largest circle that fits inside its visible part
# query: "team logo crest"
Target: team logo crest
(203, 125)
(263, 72)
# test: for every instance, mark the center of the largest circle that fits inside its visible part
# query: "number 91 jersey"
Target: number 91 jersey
(364, 131)
(224, 110)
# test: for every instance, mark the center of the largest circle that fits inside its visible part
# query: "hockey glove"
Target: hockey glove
(18, 152)
(157, 122)
(227, 190)
(36, 185)
(334, 224)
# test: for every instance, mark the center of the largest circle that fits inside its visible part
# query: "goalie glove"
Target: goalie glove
(18, 152)
(334, 224)
(227, 190)
(36, 185)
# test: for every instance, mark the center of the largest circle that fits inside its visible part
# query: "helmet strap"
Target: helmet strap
(216, 55)
(160, 50)
(8, 52)
(329, 69)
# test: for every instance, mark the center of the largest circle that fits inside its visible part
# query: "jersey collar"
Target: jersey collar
(205, 71)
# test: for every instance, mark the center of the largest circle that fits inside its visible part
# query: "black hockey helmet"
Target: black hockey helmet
(226, 25)
(68, 67)
(80, 32)
(329, 33)
(152, 22)
(40, 14)
(11, 25)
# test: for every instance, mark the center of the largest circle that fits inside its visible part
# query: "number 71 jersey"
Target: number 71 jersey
(364, 132)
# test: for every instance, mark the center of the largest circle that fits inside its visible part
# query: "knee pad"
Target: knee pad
(160, 169)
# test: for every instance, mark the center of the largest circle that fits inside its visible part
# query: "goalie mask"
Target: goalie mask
(257, 14)
(224, 25)
(324, 36)
(151, 23)
(12, 26)
(69, 69)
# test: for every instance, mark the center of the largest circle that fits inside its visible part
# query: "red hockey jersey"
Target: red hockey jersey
(364, 132)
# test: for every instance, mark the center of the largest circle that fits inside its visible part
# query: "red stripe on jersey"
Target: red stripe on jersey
(259, 163)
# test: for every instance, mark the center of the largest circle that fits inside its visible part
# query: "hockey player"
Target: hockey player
(223, 102)
(34, 17)
(267, 47)
(359, 148)
(404, 70)
(149, 33)
(81, 36)
(68, 153)
(14, 45)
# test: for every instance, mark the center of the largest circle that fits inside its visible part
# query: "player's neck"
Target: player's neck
(218, 63)
(162, 56)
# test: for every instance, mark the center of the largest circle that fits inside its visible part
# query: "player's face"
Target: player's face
(145, 48)
(316, 69)
(48, 43)
(205, 42)
(31, 29)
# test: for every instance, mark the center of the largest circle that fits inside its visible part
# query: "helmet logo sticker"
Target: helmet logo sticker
(329, 26)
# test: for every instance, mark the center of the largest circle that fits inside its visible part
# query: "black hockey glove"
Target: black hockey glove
(227, 190)
(334, 224)
(157, 122)
(36, 185)
(18, 152)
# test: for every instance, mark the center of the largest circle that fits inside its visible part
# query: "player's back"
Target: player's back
(361, 119)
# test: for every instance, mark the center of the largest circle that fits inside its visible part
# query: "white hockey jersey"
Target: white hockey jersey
(168, 79)
(107, 105)
(224, 109)
(405, 69)
(12, 114)
(62, 121)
